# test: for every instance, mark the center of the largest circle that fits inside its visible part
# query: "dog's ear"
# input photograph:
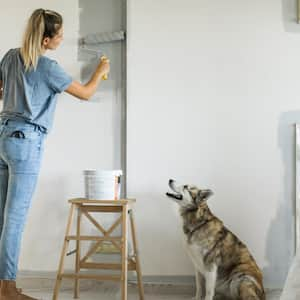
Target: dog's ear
(203, 195)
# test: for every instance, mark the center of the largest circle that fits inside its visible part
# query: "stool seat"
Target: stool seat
(123, 207)
(102, 202)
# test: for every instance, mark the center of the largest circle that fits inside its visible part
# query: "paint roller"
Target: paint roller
(100, 38)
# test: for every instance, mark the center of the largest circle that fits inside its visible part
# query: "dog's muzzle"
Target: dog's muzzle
(176, 196)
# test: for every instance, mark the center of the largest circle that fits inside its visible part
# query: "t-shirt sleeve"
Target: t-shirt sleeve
(2, 63)
(58, 79)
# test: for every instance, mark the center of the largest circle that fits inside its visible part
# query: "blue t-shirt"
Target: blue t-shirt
(31, 95)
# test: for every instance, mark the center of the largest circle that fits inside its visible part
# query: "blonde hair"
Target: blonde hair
(41, 24)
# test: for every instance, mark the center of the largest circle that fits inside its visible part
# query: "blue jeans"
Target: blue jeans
(21, 149)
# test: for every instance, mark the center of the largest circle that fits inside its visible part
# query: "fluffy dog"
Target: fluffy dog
(222, 262)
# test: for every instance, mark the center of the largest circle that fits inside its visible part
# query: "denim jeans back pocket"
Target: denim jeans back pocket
(20, 144)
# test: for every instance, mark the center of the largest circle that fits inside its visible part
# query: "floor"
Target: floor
(89, 290)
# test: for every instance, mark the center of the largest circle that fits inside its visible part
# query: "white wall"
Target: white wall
(84, 135)
(213, 92)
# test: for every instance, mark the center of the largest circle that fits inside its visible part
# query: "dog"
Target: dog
(223, 264)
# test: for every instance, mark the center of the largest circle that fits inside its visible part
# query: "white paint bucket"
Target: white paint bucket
(102, 184)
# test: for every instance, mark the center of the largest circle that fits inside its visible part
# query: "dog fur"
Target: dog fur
(223, 264)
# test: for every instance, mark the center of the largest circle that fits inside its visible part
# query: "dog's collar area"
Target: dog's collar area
(176, 196)
(189, 209)
(191, 230)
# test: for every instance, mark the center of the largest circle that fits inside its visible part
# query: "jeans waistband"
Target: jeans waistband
(6, 121)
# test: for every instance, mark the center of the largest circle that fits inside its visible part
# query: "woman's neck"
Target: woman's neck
(43, 50)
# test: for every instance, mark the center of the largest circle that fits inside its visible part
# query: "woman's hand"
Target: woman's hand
(85, 91)
(104, 66)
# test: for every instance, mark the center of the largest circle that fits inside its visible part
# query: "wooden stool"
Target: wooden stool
(84, 206)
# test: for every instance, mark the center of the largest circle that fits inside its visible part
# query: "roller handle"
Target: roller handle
(105, 76)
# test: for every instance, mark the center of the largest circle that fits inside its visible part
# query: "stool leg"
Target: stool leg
(77, 262)
(124, 253)
(137, 258)
(63, 254)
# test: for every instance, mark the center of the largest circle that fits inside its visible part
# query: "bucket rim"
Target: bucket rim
(100, 171)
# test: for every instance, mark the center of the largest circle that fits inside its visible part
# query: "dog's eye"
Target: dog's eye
(185, 187)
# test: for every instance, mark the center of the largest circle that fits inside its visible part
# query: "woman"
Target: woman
(29, 84)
